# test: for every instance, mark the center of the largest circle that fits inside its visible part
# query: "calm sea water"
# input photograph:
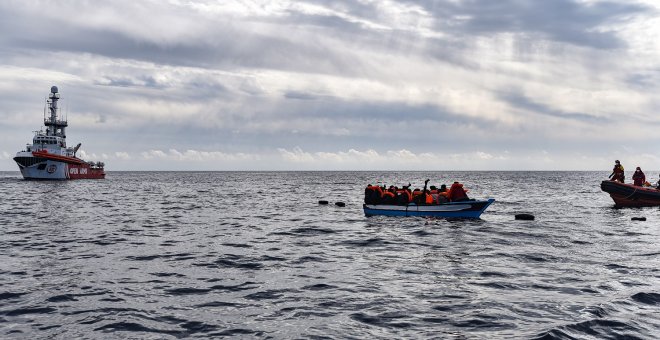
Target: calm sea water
(252, 255)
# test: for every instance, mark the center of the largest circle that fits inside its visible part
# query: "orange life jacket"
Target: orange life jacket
(376, 189)
(456, 192)
(387, 193)
(407, 193)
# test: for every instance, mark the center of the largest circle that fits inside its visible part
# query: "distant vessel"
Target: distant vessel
(48, 157)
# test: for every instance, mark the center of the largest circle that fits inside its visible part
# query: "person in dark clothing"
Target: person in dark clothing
(638, 177)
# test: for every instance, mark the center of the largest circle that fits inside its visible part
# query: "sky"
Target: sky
(337, 85)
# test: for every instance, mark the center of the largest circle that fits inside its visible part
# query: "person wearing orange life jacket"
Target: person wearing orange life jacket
(379, 190)
(638, 177)
(368, 194)
(422, 196)
(434, 194)
(443, 195)
(618, 172)
(403, 196)
(373, 194)
(428, 198)
(417, 196)
(457, 193)
(389, 197)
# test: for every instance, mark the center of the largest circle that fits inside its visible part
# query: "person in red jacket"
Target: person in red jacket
(638, 177)
(457, 193)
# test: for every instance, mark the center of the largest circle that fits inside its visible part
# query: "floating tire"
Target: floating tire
(340, 204)
(525, 217)
(638, 219)
(323, 202)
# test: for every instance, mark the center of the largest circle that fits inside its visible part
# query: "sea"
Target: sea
(177, 255)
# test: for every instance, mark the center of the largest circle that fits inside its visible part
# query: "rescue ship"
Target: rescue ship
(48, 157)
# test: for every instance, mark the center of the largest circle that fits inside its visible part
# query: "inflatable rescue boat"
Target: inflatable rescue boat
(628, 195)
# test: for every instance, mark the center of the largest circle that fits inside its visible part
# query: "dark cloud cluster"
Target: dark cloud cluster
(300, 41)
(570, 21)
(518, 100)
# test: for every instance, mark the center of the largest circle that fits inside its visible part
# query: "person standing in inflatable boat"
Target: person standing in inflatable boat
(638, 177)
(617, 173)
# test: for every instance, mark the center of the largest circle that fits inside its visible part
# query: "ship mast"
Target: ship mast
(55, 126)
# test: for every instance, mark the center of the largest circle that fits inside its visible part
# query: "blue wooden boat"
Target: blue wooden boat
(463, 209)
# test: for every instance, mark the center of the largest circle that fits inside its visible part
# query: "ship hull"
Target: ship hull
(46, 169)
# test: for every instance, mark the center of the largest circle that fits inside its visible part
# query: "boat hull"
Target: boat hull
(628, 195)
(466, 209)
(54, 170)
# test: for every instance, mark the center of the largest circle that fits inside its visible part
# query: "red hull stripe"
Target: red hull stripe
(84, 171)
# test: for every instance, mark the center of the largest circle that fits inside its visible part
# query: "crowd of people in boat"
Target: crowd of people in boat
(393, 195)
(639, 178)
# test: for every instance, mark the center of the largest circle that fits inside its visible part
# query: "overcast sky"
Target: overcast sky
(361, 84)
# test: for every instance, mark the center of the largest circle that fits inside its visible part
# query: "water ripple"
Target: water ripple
(220, 254)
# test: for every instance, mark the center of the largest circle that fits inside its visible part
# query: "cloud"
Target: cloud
(372, 160)
(196, 156)
(297, 155)
(123, 156)
(295, 81)
(520, 101)
(154, 154)
(582, 23)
